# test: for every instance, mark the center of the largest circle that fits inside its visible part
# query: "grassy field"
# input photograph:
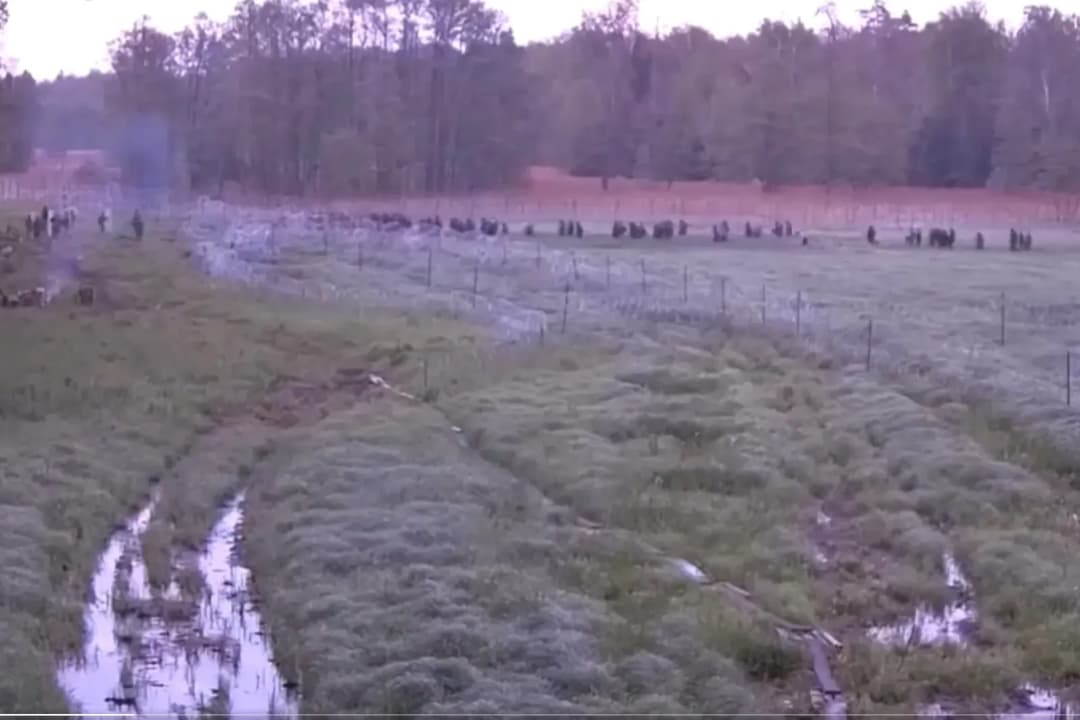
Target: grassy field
(724, 452)
(934, 313)
(507, 540)
(717, 450)
(99, 404)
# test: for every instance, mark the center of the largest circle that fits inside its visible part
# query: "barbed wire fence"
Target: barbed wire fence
(531, 293)
(811, 206)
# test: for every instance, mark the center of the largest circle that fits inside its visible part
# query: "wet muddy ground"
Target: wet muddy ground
(198, 647)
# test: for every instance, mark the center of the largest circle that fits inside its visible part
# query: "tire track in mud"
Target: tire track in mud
(199, 644)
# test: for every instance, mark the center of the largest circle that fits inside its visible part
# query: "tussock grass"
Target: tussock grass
(404, 567)
(400, 574)
(724, 458)
(97, 403)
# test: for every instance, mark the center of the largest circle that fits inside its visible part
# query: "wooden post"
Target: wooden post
(541, 333)
(643, 285)
(504, 252)
(1002, 335)
(538, 254)
(762, 303)
(565, 306)
(425, 372)
(360, 256)
(869, 341)
(1068, 378)
(475, 281)
(573, 263)
(723, 296)
(798, 313)
(430, 256)
(685, 284)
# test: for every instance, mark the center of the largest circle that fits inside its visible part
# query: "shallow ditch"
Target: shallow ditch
(952, 626)
(196, 648)
(933, 627)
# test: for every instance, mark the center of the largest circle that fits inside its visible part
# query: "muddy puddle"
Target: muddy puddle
(935, 627)
(951, 626)
(1029, 702)
(1036, 703)
(178, 653)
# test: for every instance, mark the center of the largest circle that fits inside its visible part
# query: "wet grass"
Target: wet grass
(400, 572)
(98, 404)
(725, 456)
(404, 567)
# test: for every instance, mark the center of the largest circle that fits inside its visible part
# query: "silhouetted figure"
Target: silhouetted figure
(137, 225)
(941, 238)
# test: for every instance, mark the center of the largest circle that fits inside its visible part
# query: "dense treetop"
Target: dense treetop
(391, 96)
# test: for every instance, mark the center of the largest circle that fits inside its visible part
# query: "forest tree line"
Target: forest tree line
(18, 102)
(409, 96)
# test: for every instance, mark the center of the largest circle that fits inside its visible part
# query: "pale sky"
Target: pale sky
(50, 36)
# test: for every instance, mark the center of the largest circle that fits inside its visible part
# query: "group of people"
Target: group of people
(51, 223)
(48, 222)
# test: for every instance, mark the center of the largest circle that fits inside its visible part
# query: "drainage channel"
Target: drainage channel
(173, 654)
(951, 626)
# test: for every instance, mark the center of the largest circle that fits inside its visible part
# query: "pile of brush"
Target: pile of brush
(37, 297)
(24, 298)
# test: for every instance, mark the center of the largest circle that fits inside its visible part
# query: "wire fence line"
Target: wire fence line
(811, 208)
(531, 292)
(808, 215)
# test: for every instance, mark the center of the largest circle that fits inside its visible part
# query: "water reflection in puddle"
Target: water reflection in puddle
(950, 626)
(1039, 704)
(934, 627)
(162, 655)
